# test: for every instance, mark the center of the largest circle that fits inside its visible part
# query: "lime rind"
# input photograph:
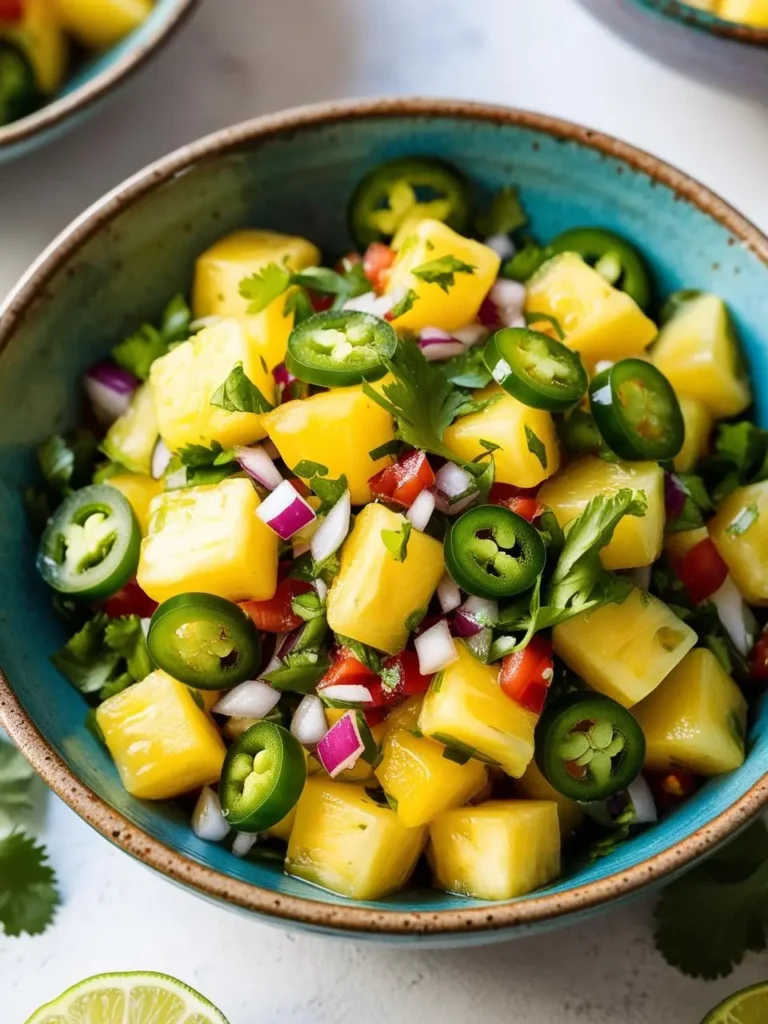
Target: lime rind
(749, 1006)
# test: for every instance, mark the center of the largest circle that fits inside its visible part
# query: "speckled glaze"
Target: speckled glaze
(118, 264)
(94, 82)
(692, 41)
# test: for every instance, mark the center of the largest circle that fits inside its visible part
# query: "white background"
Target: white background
(244, 57)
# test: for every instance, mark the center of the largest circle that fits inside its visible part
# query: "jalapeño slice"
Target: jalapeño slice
(204, 641)
(612, 256)
(337, 349)
(492, 552)
(588, 746)
(263, 775)
(18, 88)
(90, 548)
(535, 369)
(637, 412)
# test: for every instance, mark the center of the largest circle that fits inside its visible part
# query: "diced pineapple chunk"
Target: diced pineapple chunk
(696, 719)
(375, 599)
(209, 540)
(624, 650)
(698, 352)
(40, 35)
(677, 545)
(220, 270)
(284, 827)
(598, 320)
(338, 429)
(698, 426)
(467, 710)
(420, 777)
(533, 786)
(446, 303)
(497, 850)
(344, 841)
(528, 447)
(740, 533)
(97, 24)
(746, 12)
(139, 489)
(184, 382)
(162, 743)
(637, 540)
(132, 438)
(360, 771)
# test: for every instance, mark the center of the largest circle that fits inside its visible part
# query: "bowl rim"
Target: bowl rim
(53, 114)
(352, 918)
(704, 21)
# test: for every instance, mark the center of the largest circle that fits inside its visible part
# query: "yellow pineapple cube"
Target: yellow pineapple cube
(696, 719)
(457, 302)
(497, 850)
(375, 598)
(517, 429)
(637, 540)
(209, 540)
(533, 786)
(162, 743)
(97, 24)
(740, 533)
(746, 12)
(467, 710)
(132, 438)
(698, 352)
(344, 841)
(40, 35)
(282, 830)
(184, 381)
(624, 650)
(139, 489)
(337, 428)
(598, 320)
(221, 269)
(677, 545)
(698, 427)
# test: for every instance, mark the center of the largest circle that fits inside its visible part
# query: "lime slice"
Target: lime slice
(135, 998)
(750, 1006)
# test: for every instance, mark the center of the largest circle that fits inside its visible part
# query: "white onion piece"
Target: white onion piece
(603, 364)
(482, 610)
(341, 746)
(208, 821)
(109, 390)
(435, 351)
(252, 699)
(448, 594)
(322, 589)
(642, 801)
(435, 648)
(178, 478)
(258, 465)
(161, 456)
(433, 336)
(347, 693)
(502, 245)
(332, 532)
(243, 843)
(421, 511)
(451, 481)
(471, 334)
(145, 623)
(452, 508)
(308, 724)
(299, 548)
(736, 617)
(204, 322)
(285, 511)
(370, 302)
(509, 299)
(274, 661)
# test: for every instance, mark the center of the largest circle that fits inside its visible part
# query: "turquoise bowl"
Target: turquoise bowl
(692, 41)
(117, 265)
(93, 82)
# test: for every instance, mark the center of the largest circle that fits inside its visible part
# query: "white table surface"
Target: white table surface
(244, 57)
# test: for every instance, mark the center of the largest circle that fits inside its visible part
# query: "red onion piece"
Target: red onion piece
(333, 530)
(309, 724)
(109, 390)
(252, 699)
(341, 746)
(258, 465)
(436, 345)
(161, 456)
(435, 648)
(488, 314)
(464, 625)
(448, 594)
(674, 496)
(347, 693)
(285, 511)
(421, 511)
(285, 644)
(208, 821)
(283, 376)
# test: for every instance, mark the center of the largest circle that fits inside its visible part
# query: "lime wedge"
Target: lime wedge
(135, 998)
(750, 1006)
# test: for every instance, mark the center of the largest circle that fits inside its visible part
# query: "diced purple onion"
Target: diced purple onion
(341, 746)
(736, 616)
(243, 843)
(674, 496)
(259, 466)
(285, 511)
(109, 389)
(309, 724)
(464, 625)
(502, 245)
(436, 345)
(482, 610)
(208, 821)
(332, 531)
(642, 801)
(421, 511)
(161, 456)
(435, 648)
(448, 594)
(283, 376)
(471, 334)
(480, 643)
(252, 699)
(286, 642)
(347, 693)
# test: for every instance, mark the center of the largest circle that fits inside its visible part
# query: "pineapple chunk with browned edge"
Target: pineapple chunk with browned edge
(131, 439)
(162, 743)
(467, 710)
(698, 426)
(740, 533)
(598, 320)
(637, 540)
(696, 719)
(343, 840)
(497, 850)
(624, 650)
(220, 270)
(138, 489)
(533, 786)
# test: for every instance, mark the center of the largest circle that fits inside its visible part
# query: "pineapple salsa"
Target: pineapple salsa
(445, 552)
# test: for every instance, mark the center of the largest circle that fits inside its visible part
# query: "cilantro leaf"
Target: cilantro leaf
(328, 491)
(740, 457)
(177, 317)
(299, 672)
(403, 306)
(299, 304)
(365, 655)
(268, 284)
(504, 216)
(66, 462)
(307, 606)
(16, 779)
(396, 541)
(467, 370)
(470, 405)
(307, 469)
(126, 636)
(105, 656)
(536, 446)
(263, 287)
(696, 506)
(746, 518)
(28, 895)
(139, 350)
(388, 448)
(442, 271)
(239, 394)
(194, 464)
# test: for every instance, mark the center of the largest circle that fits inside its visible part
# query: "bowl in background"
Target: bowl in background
(118, 264)
(93, 81)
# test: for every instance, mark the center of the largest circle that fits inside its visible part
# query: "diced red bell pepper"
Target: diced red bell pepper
(672, 788)
(11, 10)
(404, 480)
(402, 678)
(702, 570)
(346, 670)
(377, 260)
(276, 615)
(758, 659)
(526, 675)
(131, 600)
(518, 499)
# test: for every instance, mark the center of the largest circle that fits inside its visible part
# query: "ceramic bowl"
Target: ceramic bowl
(692, 41)
(93, 82)
(117, 265)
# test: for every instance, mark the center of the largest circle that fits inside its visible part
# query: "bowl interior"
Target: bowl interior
(696, 17)
(299, 180)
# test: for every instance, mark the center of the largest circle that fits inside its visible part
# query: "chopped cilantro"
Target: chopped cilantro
(403, 306)
(239, 394)
(536, 446)
(504, 216)
(443, 271)
(396, 541)
(139, 350)
(746, 518)
(28, 895)
(307, 469)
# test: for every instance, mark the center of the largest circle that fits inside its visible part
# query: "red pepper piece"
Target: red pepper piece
(404, 480)
(276, 615)
(702, 570)
(526, 675)
(377, 260)
(131, 600)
